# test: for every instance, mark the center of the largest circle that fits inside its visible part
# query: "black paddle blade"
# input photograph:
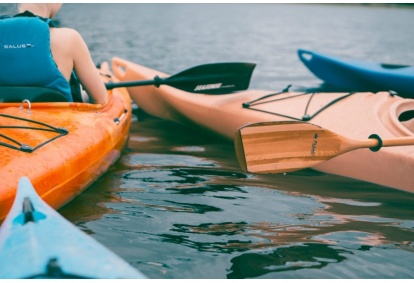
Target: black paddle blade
(217, 78)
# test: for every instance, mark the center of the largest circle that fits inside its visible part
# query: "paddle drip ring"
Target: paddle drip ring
(378, 147)
(157, 81)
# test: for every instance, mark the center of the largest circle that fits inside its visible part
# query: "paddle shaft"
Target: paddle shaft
(112, 85)
(372, 142)
(157, 81)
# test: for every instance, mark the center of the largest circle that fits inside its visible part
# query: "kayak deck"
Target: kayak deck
(39, 243)
(359, 75)
(74, 144)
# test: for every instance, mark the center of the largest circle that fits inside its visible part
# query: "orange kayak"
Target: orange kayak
(61, 147)
(352, 115)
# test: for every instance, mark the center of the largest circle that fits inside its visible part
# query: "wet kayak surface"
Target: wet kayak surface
(177, 205)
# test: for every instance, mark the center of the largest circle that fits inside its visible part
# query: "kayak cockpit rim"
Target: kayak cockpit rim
(74, 105)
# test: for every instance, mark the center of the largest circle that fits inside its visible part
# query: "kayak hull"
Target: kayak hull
(355, 116)
(66, 164)
(357, 75)
(39, 243)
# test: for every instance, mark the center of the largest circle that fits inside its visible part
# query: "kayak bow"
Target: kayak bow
(37, 242)
(356, 75)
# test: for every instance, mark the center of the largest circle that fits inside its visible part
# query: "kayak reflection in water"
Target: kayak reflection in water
(60, 53)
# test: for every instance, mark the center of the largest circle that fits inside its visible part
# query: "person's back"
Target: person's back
(68, 53)
(25, 55)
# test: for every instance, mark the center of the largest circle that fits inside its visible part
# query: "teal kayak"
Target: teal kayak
(37, 242)
(358, 75)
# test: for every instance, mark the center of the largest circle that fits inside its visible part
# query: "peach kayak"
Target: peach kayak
(353, 115)
(61, 147)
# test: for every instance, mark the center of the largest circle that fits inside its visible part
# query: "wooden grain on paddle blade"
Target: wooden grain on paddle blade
(278, 147)
(284, 147)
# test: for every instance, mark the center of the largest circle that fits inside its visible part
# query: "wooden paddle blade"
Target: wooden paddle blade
(278, 147)
(217, 78)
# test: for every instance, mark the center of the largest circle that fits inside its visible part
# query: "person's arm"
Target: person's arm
(87, 72)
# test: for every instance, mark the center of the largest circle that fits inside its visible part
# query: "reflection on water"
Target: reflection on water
(149, 160)
(252, 265)
(193, 214)
(259, 226)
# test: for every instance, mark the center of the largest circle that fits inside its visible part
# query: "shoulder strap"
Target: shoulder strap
(31, 15)
(75, 88)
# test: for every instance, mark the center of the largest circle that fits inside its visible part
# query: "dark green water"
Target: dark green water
(176, 204)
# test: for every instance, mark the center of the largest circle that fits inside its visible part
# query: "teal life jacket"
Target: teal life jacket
(25, 54)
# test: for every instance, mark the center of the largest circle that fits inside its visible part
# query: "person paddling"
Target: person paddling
(35, 53)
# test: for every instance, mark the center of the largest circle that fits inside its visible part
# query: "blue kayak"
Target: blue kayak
(37, 242)
(354, 75)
